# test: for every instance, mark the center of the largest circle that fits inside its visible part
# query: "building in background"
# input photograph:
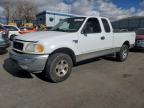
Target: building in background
(131, 23)
(51, 18)
(3, 20)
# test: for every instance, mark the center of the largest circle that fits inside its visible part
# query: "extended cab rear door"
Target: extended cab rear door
(107, 33)
(93, 37)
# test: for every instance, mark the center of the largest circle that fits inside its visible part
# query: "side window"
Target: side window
(51, 19)
(92, 26)
(106, 25)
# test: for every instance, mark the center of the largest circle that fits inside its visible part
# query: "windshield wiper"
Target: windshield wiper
(55, 29)
(62, 30)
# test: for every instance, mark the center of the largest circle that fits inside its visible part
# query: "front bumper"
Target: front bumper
(29, 62)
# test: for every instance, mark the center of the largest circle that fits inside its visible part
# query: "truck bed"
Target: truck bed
(120, 37)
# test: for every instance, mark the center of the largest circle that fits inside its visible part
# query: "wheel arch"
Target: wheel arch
(127, 43)
(68, 51)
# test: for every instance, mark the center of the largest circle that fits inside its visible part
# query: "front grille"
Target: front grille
(18, 45)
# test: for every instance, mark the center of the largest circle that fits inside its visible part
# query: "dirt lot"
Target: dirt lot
(98, 83)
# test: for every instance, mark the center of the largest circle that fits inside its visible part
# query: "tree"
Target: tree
(8, 11)
(20, 10)
(25, 10)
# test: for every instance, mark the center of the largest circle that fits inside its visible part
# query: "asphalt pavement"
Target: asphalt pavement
(96, 83)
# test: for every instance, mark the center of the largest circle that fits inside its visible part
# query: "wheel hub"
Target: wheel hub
(62, 68)
(125, 53)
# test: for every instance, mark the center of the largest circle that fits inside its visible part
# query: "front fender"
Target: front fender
(53, 47)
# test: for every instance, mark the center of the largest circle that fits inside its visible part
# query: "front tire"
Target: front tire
(123, 54)
(58, 67)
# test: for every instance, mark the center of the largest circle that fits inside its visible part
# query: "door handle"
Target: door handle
(75, 41)
(102, 38)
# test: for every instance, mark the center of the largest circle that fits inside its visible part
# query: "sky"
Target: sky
(113, 9)
(127, 3)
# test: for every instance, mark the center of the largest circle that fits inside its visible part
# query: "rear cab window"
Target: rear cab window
(106, 25)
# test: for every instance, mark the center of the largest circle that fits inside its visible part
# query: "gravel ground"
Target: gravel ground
(97, 83)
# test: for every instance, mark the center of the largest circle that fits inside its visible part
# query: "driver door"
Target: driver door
(91, 39)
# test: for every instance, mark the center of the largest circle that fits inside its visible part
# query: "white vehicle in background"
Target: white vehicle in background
(13, 30)
(71, 41)
(4, 40)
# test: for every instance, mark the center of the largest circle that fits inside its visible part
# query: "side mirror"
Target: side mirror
(84, 32)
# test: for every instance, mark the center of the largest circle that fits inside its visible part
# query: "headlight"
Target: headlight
(35, 48)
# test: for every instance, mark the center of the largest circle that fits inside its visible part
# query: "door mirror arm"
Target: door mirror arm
(84, 32)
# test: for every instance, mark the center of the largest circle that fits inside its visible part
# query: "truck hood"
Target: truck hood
(38, 36)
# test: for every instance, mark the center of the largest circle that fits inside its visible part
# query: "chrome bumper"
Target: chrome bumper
(29, 62)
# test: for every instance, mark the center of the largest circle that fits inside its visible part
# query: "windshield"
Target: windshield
(11, 28)
(69, 24)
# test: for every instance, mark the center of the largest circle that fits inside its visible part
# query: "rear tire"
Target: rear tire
(58, 67)
(123, 54)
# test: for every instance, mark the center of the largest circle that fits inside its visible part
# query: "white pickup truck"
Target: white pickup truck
(72, 40)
